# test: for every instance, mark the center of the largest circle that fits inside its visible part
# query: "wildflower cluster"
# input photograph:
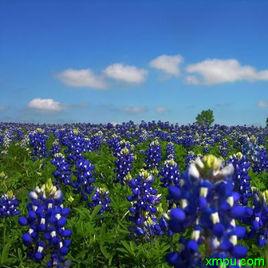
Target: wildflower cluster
(76, 165)
(63, 171)
(9, 205)
(207, 202)
(96, 140)
(260, 160)
(241, 178)
(124, 163)
(113, 142)
(118, 145)
(84, 178)
(46, 219)
(169, 173)
(223, 148)
(55, 147)
(153, 155)
(74, 143)
(190, 157)
(256, 153)
(211, 205)
(100, 197)
(7, 139)
(170, 150)
(37, 140)
(258, 221)
(144, 199)
(24, 143)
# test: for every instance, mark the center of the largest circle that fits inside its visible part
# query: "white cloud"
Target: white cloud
(125, 73)
(262, 104)
(81, 78)
(216, 71)
(169, 64)
(134, 110)
(160, 109)
(48, 105)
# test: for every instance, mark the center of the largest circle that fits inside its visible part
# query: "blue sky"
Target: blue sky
(114, 61)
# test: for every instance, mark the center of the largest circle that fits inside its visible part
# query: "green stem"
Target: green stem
(266, 255)
(4, 239)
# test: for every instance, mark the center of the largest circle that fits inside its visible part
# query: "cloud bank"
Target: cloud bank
(48, 105)
(217, 71)
(206, 72)
(81, 78)
(125, 73)
(168, 64)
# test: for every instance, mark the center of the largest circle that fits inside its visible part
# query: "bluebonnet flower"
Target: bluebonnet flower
(84, 178)
(258, 221)
(9, 205)
(124, 164)
(37, 140)
(19, 134)
(121, 145)
(77, 166)
(6, 141)
(169, 173)
(55, 147)
(100, 197)
(223, 148)
(241, 177)
(190, 157)
(63, 171)
(257, 154)
(187, 141)
(144, 200)
(153, 155)
(76, 145)
(114, 143)
(46, 220)
(25, 143)
(207, 202)
(170, 150)
(260, 160)
(96, 140)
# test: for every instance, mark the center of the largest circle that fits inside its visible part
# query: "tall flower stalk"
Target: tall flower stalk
(144, 199)
(207, 202)
(46, 220)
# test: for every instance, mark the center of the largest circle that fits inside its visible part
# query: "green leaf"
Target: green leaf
(5, 252)
(95, 211)
(129, 247)
(104, 252)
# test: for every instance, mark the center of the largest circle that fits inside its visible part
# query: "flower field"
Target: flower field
(132, 195)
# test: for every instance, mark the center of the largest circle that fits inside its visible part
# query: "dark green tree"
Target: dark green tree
(206, 117)
(267, 122)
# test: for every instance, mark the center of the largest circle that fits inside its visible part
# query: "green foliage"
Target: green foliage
(260, 181)
(97, 240)
(206, 117)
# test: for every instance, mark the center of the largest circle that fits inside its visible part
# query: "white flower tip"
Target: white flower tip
(33, 195)
(58, 194)
(193, 171)
(199, 162)
(233, 239)
(228, 170)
